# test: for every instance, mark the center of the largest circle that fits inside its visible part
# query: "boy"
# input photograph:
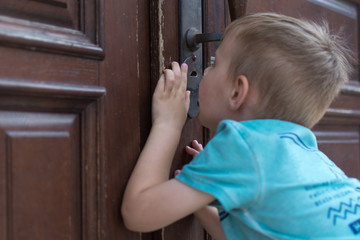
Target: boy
(273, 79)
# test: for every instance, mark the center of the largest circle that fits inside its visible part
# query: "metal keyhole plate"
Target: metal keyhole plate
(190, 16)
(194, 78)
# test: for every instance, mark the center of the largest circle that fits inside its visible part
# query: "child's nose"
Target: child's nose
(206, 70)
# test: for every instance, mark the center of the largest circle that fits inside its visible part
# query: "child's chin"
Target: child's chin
(206, 124)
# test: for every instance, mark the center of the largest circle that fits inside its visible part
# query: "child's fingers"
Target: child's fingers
(160, 84)
(184, 70)
(187, 100)
(169, 79)
(178, 75)
(195, 149)
(176, 68)
(197, 146)
(191, 151)
(177, 172)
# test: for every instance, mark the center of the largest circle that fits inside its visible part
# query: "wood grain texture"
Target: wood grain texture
(52, 12)
(49, 122)
(237, 8)
(125, 74)
(50, 158)
(78, 38)
(43, 170)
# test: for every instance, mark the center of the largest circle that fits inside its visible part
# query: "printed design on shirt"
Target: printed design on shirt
(223, 215)
(297, 140)
(326, 192)
(340, 202)
(355, 226)
(345, 208)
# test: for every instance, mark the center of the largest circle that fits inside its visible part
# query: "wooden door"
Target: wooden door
(49, 119)
(74, 91)
(76, 78)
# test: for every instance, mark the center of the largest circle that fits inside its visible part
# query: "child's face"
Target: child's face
(215, 88)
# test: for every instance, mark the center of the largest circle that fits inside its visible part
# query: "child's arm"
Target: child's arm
(210, 220)
(207, 216)
(151, 201)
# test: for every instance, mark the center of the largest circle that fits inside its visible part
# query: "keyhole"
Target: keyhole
(193, 74)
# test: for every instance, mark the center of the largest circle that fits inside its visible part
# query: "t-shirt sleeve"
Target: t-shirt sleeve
(226, 168)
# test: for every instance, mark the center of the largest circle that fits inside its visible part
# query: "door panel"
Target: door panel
(42, 170)
(60, 13)
(66, 27)
(48, 161)
(37, 67)
(50, 120)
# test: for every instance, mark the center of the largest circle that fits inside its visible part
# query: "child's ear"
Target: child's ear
(239, 92)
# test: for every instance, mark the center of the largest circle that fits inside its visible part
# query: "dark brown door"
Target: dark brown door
(76, 78)
(49, 119)
(71, 113)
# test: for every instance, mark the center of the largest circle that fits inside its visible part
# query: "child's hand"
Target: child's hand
(171, 100)
(195, 149)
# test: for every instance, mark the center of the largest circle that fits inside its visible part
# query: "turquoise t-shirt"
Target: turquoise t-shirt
(271, 182)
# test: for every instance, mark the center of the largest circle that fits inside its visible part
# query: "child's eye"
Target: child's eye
(212, 61)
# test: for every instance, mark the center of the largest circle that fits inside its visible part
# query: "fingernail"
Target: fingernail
(184, 66)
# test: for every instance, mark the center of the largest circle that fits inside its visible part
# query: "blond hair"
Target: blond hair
(297, 66)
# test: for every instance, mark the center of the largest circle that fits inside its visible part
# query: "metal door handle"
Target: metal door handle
(194, 38)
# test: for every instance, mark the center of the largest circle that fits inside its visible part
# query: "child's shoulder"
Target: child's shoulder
(262, 125)
(267, 131)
